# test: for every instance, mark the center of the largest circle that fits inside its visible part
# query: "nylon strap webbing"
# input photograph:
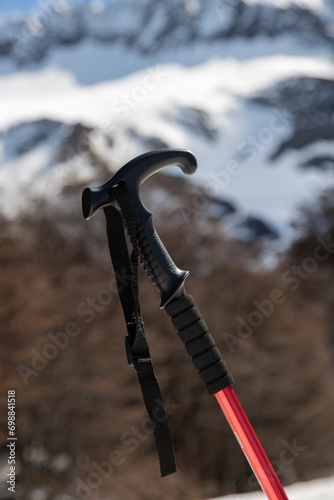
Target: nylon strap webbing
(126, 272)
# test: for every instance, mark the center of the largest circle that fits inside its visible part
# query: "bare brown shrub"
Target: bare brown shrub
(87, 397)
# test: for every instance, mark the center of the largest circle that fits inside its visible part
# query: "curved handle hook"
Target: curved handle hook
(134, 173)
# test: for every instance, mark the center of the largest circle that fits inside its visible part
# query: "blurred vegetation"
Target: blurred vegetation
(85, 403)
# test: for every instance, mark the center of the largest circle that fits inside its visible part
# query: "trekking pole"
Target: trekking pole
(119, 197)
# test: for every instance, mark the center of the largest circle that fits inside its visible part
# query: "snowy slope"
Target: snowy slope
(205, 108)
(320, 489)
(217, 97)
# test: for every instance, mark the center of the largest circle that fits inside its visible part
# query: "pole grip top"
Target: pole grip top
(161, 269)
(134, 173)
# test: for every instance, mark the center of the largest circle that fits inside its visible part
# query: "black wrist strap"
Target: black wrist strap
(138, 354)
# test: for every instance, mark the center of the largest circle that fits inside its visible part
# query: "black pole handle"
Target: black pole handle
(168, 279)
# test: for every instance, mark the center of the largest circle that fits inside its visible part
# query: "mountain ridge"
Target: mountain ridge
(149, 27)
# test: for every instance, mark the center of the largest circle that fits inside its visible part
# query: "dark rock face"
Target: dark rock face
(219, 208)
(252, 229)
(197, 121)
(75, 143)
(66, 141)
(309, 103)
(25, 136)
(323, 162)
(303, 137)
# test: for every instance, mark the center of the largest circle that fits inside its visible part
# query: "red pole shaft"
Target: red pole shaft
(250, 444)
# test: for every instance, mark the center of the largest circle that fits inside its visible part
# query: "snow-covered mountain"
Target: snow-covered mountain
(150, 27)
(246, 86)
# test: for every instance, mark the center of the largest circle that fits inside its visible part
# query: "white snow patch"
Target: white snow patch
(319, 489)
(232, 166)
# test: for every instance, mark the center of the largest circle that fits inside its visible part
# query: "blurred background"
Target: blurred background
(248, 87)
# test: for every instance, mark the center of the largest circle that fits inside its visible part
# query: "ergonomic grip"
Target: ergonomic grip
(199, 344)
(165, 275)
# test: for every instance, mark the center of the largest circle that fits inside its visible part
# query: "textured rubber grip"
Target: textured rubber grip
(156, 261)
(199, 344)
